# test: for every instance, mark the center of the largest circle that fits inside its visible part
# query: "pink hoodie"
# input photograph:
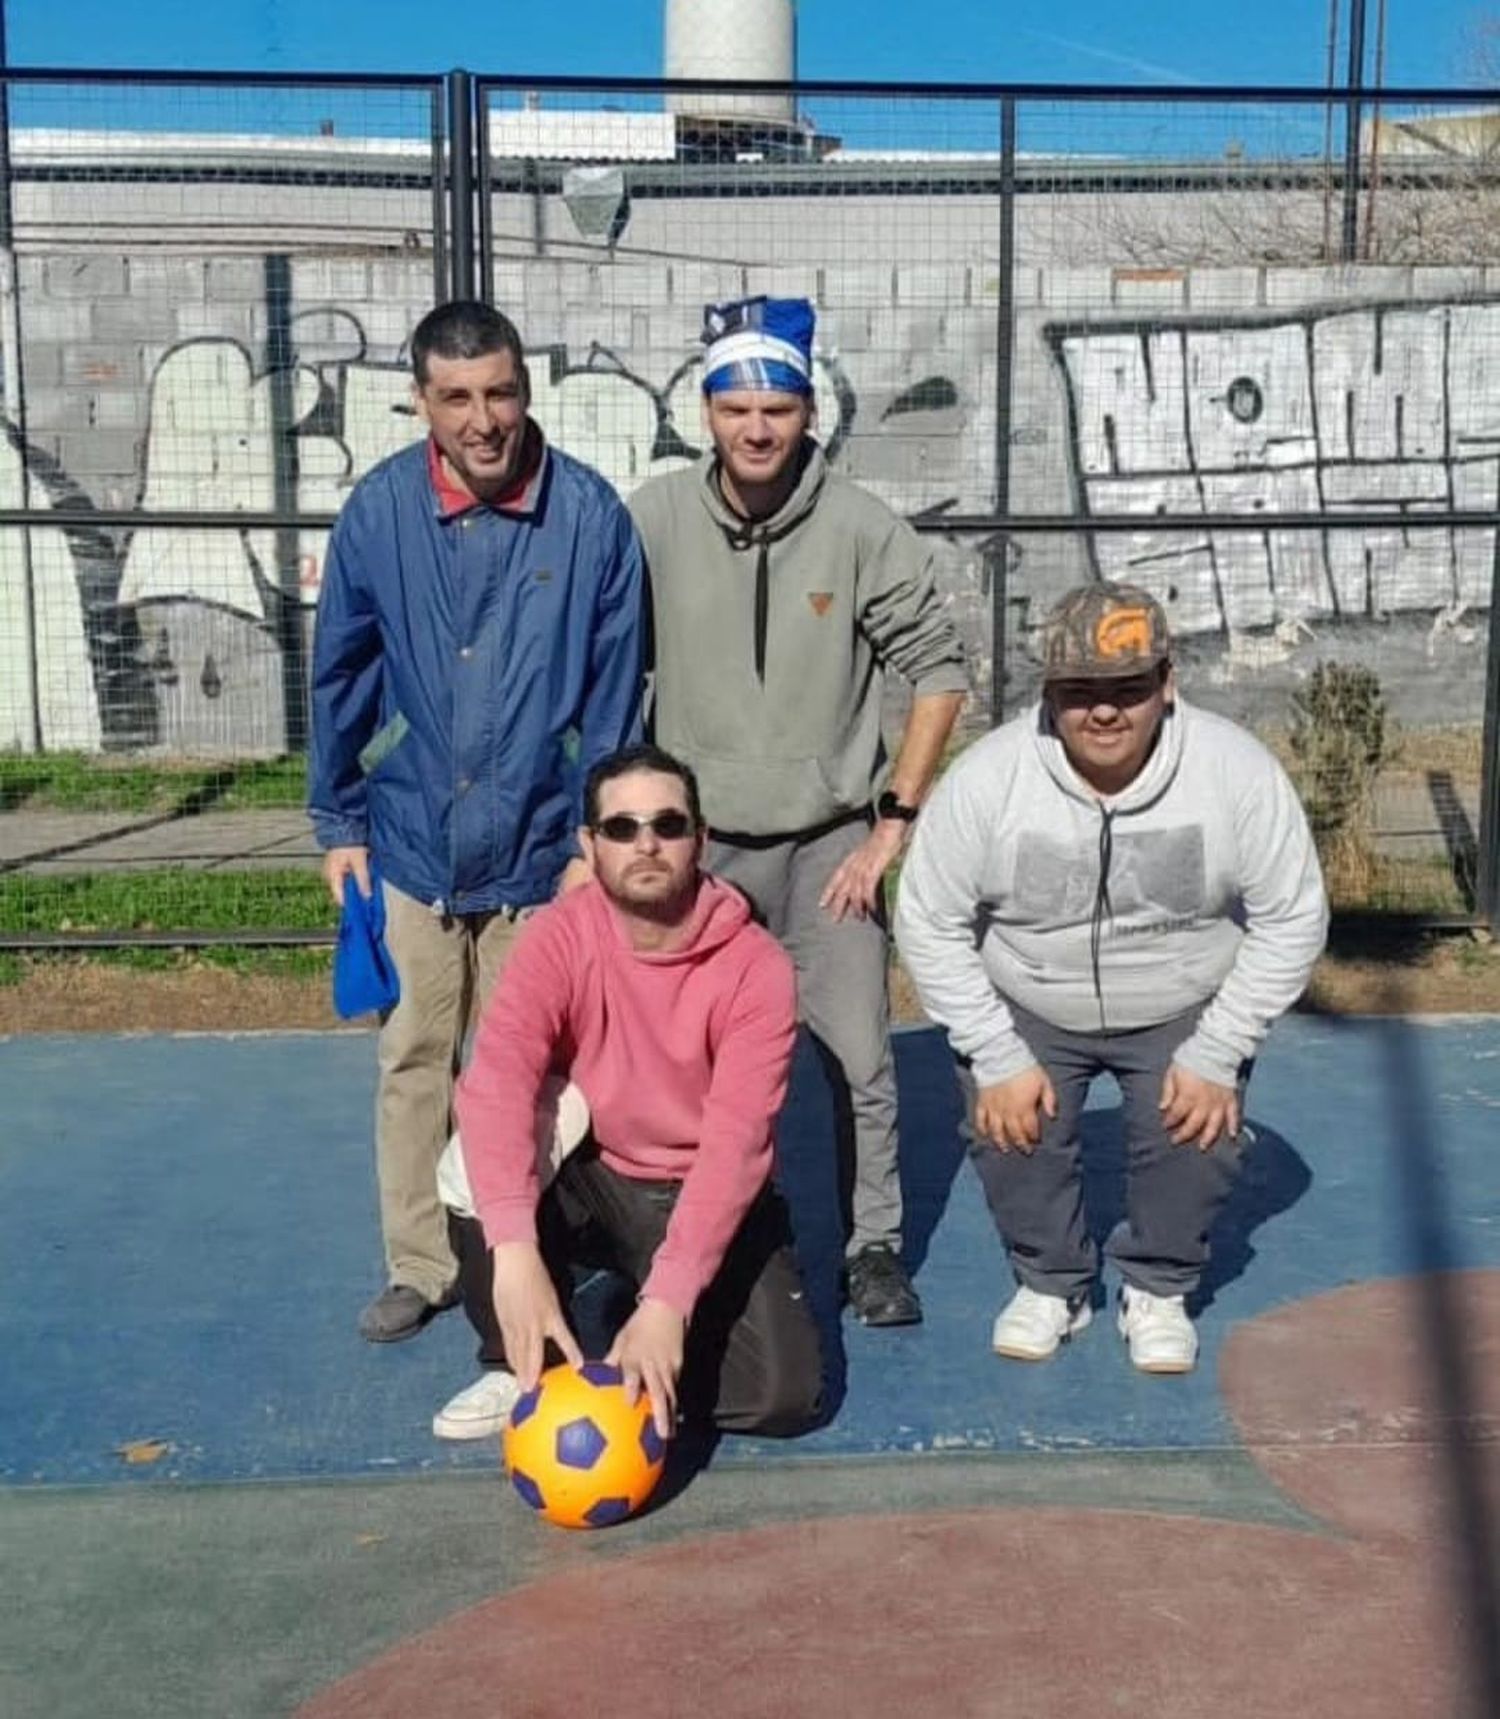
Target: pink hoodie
(682, 1056)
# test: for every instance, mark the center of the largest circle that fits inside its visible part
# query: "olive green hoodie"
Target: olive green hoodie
(772, 637)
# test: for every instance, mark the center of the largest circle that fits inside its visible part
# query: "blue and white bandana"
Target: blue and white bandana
(762, 343)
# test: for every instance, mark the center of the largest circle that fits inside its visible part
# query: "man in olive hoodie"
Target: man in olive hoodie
(782, 593)
(1114, 882)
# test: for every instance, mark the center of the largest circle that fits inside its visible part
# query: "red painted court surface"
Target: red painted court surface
(216, 1501)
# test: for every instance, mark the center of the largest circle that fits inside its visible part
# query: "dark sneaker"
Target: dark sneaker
(880, 1292)
(398, 1311)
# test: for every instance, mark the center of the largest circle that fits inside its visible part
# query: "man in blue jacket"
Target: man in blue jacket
(479, 647)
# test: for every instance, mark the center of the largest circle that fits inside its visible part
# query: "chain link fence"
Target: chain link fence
(1237, 346)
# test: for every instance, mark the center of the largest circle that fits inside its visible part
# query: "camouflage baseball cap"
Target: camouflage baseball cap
(1104, 632)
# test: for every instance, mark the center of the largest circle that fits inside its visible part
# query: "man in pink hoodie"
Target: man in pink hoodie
(652, 990)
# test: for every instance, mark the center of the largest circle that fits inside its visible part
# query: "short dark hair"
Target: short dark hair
(463, 328)
(630, 759)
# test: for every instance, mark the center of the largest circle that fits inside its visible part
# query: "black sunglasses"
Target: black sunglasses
(665, 826)
(1133, 689)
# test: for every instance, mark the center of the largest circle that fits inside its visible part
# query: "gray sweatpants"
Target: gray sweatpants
(842, 998)
(1173, 1193)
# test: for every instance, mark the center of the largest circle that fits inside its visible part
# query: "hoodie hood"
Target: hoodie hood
(742, 532)
(1156, 775)
(718, 914)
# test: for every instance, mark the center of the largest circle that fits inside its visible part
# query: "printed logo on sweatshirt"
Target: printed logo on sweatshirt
(1155, 872)
(822, 602)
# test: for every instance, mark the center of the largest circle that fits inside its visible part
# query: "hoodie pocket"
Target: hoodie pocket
(764, 795)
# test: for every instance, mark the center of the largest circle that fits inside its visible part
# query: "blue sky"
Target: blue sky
(1094, 41)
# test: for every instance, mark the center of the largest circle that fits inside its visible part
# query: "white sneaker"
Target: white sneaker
(479, 1410)
(1032, 1325)
(1157, 1329)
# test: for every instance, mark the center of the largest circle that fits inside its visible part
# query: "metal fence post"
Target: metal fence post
(14, 394)
(438, 145)
(485, 187)
(281, 366)
(461, 183)
(1488, 904)
(1349, 247)
(1005, 318)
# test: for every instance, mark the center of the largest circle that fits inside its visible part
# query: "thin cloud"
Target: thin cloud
(1128, 61)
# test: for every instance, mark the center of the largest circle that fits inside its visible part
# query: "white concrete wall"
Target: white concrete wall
(1136, 390)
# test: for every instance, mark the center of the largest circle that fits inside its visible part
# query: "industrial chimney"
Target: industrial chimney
(739, 41)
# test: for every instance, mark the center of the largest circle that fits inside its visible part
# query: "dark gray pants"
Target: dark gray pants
(1173, 1193)
(843, 1000)
(752, 1361)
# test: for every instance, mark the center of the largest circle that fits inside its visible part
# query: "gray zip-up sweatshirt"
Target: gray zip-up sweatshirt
(771, 638)
(1199, 883)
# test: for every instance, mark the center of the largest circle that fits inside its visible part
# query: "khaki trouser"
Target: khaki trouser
(447, 967)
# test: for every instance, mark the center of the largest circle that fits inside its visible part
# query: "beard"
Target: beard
(651, 894)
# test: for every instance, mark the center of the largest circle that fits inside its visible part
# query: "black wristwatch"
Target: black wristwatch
(888, 806)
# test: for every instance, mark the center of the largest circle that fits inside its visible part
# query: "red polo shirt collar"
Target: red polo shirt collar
(520, 498)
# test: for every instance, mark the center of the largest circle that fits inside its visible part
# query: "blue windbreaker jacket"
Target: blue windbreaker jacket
(467, 673)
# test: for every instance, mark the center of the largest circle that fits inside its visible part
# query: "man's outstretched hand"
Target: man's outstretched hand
(1009, 1113)
(648, 1351)
(1198, 1111)
(854, 889)
(527, 1308)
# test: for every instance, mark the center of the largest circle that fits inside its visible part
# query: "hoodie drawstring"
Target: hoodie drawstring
(762, 605)
(1102, 907)
(747, 537)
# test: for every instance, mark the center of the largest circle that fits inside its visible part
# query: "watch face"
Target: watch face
(890, 807)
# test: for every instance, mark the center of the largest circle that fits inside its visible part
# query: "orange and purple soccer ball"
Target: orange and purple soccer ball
(578, 1451)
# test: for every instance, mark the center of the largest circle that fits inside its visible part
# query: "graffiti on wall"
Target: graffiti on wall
(180, 638)
(1391, 408)
(175, 637)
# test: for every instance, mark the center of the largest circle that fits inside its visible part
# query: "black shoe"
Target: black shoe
(399, 1312)
(879, 1290)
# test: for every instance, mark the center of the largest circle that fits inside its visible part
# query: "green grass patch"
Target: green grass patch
(76, 782)
(250, 963)
(229, 958)
(172, 898)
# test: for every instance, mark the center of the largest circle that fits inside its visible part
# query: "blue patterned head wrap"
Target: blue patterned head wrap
(762, 343)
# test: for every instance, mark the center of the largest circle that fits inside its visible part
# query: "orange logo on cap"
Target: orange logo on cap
(1123, 633)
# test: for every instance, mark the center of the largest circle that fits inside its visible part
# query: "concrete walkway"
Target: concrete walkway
(43, 843)
(1410, 821)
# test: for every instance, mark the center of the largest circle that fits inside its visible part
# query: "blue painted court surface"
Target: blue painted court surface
(188, 1231)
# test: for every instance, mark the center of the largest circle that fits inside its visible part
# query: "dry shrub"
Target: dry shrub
(1339, 742)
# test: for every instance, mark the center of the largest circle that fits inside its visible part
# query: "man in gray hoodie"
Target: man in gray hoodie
(781, 595)
(1113, 882)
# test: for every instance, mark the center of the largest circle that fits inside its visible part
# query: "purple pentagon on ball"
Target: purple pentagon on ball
(598, 1374)
(606, 1511)
(580, 1443)
(525, 1406)
(528, 1489)
(652, 1443)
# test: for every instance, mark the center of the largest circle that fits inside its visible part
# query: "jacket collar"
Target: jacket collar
(521, 500)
